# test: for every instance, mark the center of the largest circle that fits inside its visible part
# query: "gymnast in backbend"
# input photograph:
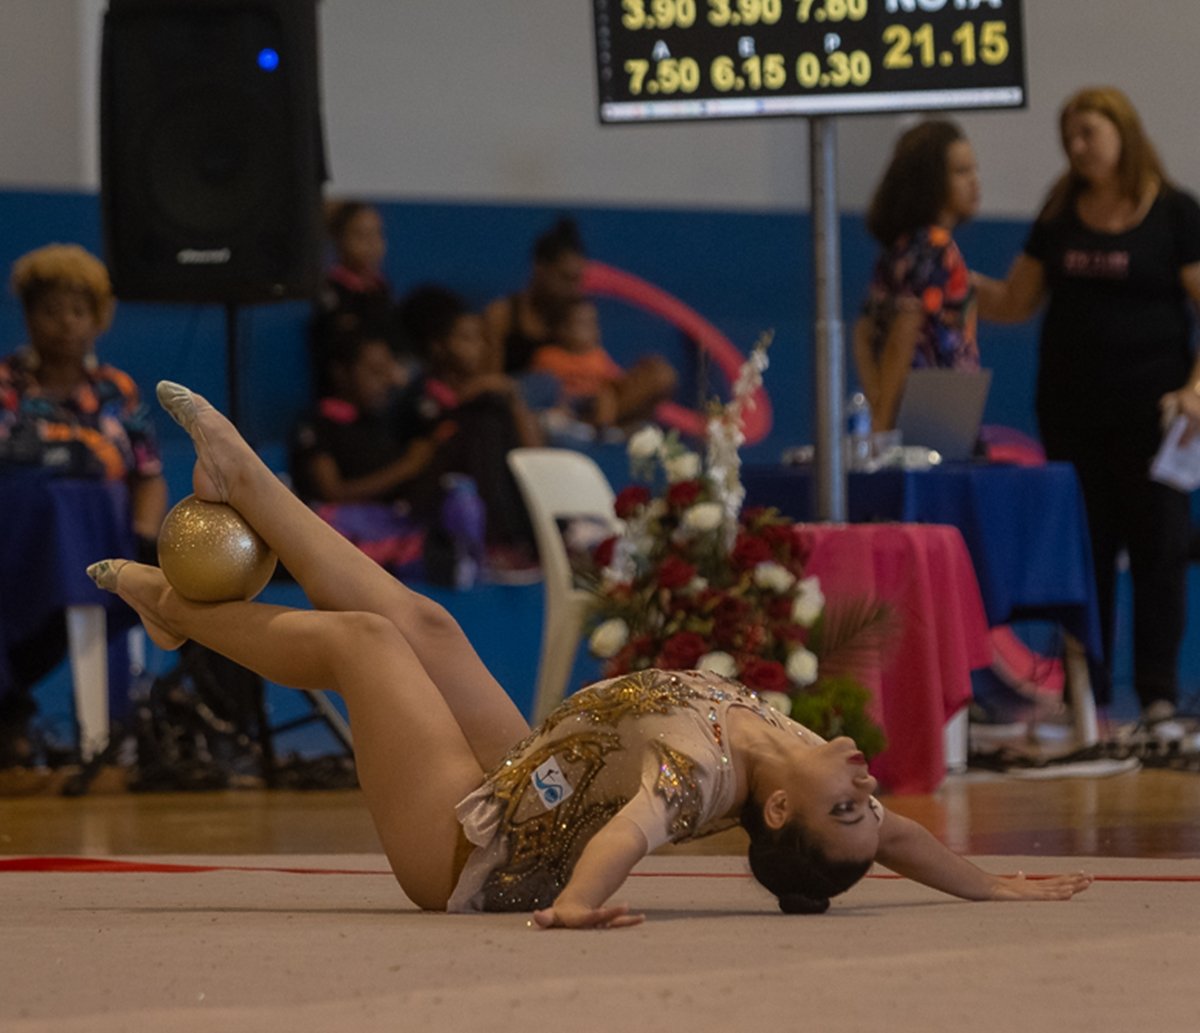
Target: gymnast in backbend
(477, 812)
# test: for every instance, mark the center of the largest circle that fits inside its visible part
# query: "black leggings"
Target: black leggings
(1126, 509)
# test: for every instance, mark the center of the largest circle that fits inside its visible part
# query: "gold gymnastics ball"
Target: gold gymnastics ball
(209, 554)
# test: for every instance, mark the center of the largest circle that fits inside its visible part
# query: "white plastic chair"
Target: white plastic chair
(559, 482)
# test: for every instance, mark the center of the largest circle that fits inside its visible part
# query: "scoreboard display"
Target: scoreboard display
(678, 60)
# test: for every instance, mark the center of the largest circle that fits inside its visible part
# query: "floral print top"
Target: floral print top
(101, 429)
(928, 268)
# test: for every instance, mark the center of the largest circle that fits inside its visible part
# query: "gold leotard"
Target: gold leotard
(649, 745)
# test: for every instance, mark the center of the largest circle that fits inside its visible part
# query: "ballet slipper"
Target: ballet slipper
(181, 405)
(105, 573)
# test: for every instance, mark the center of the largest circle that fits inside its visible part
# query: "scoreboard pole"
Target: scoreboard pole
(829, 366)
(682, 60)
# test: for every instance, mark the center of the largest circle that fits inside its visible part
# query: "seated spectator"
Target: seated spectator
(366, 471)
(518, 324)
(356, 297)
(595, 389)
(61, 407)
(479, 415)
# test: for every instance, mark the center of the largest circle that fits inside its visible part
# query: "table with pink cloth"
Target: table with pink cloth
(924, 572)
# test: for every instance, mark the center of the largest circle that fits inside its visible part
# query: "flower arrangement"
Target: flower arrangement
(693, 581)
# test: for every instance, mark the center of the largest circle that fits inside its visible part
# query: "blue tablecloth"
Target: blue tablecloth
(51, 528)
(1024, 526)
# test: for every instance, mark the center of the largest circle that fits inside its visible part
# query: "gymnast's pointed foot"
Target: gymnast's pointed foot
(209, 431)
(137, 584)
(105, 573)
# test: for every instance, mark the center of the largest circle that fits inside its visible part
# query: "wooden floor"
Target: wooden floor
(1140, 814)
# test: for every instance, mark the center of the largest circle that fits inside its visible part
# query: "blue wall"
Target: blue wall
(742, 270)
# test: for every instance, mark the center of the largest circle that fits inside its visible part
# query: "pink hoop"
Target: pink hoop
(608, 281)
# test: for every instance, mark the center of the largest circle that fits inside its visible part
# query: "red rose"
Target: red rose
(683, 493)
(787, 631)
(727, 633)
(749, 552)
(754, 637)
(780, 608)
(681, 651)
(630, 500)
(642, 645)
(764, 675)
(778, 536)
(602, 554)
(674, 572)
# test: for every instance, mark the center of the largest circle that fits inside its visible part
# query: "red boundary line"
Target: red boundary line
(93, 865)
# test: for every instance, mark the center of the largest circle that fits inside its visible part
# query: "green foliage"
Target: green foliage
(838, 706)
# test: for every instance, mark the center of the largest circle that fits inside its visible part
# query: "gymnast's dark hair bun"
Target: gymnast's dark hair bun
(799, 904)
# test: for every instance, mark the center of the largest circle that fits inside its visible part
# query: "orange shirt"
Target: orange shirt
(583, 374)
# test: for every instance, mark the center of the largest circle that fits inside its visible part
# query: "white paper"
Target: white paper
(1178, 465)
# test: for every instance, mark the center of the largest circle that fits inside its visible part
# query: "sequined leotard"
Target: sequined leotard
(649, 744)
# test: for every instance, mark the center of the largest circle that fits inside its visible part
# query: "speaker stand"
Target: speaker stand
(320, 708)
(232, 363)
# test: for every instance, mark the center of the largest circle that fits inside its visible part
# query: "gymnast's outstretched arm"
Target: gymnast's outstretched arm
(909, 849)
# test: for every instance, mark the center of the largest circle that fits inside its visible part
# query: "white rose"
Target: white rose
(774, 577)
(801, 666)
(683, 467)
(655, 509)
(645, 443)
(717, 662)
(703, 517)
(781, 701)
(810, 601)
(609, 638)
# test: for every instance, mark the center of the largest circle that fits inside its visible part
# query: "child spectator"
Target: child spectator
(365, 470)
(595, 389)
(356, 297)
(479, 417)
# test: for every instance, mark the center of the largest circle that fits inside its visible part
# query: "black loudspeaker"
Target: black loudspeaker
(211, 149)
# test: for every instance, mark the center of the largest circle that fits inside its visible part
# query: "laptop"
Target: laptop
(942, 409)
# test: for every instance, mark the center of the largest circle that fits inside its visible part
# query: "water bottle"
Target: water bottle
(858, 432)
(464, 518)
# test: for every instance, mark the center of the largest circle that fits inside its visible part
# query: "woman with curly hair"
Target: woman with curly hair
(61, 406)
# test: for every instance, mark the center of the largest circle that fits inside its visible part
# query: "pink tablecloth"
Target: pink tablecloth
(924, 572)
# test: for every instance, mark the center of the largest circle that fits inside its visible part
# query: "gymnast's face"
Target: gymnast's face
(829, 790)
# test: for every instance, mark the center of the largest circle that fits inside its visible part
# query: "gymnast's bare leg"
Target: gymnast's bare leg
(414, 762)
(336, 576)
(428, 717)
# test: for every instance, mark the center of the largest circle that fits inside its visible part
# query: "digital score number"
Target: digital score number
(666, 60)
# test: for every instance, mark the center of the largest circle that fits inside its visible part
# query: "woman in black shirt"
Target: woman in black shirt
(1115, 257)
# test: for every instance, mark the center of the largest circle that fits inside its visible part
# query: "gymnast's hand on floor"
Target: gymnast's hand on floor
(1055, 887)
(579, 916)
